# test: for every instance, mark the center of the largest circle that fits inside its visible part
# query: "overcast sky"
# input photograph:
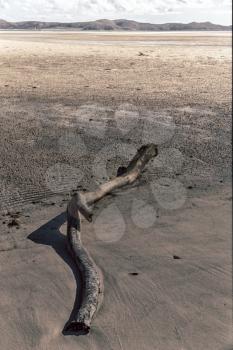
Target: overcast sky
(154, 11)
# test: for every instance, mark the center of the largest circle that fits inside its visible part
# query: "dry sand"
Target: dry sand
(62, 100)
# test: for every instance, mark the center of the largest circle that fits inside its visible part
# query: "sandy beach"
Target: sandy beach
(76, 106)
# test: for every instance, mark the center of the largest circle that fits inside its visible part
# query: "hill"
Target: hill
(112, 25)
(5, 24)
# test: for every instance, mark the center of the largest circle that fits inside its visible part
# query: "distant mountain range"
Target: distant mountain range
(108, 25)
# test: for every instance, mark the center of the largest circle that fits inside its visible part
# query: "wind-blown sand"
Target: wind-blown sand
(167, 286)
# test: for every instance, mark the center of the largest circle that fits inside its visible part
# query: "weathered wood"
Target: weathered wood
(81, 202)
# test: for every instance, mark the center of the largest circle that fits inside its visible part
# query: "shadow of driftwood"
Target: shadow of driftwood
(49, 234)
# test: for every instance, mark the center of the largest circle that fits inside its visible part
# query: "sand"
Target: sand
(164, 245)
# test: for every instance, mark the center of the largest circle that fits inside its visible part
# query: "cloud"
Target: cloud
(82, 10)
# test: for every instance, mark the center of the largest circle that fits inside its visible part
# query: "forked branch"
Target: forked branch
(82, 202)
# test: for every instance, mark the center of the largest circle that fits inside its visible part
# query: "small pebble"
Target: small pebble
(176, 257)
(13, 222)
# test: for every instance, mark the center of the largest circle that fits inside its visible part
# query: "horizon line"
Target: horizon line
(107, 19)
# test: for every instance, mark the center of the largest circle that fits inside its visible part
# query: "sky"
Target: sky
(153, 11)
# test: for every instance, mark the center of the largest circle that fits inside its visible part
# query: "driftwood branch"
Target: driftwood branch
(82, 202)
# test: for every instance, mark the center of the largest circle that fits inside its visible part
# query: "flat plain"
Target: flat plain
(74, 107)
